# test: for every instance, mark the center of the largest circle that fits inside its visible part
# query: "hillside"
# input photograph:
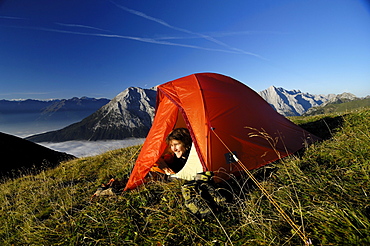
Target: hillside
(324, 189)
(19, 155)
(339, 106)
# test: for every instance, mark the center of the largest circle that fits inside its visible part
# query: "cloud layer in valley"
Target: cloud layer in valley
(91, 148)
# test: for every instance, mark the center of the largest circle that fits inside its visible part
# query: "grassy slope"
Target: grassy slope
(340, 107)
(325, 190)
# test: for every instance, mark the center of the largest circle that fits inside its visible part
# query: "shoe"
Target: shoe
(204, 176)
(193, 201)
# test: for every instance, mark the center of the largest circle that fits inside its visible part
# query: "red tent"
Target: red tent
(218, 111)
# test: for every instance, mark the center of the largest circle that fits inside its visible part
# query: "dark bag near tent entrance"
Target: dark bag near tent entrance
(113, 188)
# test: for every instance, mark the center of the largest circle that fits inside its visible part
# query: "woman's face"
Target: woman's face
(177, 147)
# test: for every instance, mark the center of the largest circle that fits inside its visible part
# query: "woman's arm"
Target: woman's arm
(163, 163)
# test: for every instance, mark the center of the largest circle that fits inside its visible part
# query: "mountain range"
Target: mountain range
(130, 113)
(51, 110)
(27, 117)
(295, 102)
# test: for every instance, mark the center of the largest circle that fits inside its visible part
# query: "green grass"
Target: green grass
(340, 107)
(325, 190)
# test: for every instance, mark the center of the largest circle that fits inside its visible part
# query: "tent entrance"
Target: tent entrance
(193, 165)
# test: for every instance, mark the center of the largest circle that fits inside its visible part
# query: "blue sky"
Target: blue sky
(98, 48)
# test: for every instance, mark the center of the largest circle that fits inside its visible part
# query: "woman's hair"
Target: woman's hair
(181, 134)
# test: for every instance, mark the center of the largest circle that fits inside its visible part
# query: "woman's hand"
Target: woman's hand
(163, 165)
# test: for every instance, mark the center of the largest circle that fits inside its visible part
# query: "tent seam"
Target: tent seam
(187, 122)
(207, 121)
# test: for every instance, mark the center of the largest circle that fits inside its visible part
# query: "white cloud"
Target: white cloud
(91, 148)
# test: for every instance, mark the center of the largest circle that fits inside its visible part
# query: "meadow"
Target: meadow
(324, 190)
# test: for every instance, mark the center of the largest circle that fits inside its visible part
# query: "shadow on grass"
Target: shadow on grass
(325, 127)
(240, 185)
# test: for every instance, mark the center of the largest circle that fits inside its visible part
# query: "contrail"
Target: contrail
(12, 17)
(145, 40)
(57, 23)
(163, 23)
(220, 34)
(224, 34)
(138, 13)
(81, 26)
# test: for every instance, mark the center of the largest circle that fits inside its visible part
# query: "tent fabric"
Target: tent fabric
(213, 107)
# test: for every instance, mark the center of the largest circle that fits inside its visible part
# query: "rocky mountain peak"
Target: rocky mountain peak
(291, 103)
(127, 115)
(134, 107)
(340, 98)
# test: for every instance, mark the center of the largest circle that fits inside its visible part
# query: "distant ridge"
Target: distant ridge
(72, 108)
(128, 115)
(339, 106)
(48, 109)
(20, 155)
(25, 117)
(295, 102)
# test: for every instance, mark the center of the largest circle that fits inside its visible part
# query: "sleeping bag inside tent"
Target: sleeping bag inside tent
(224, 118)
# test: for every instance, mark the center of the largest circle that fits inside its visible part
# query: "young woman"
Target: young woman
(179, 142)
